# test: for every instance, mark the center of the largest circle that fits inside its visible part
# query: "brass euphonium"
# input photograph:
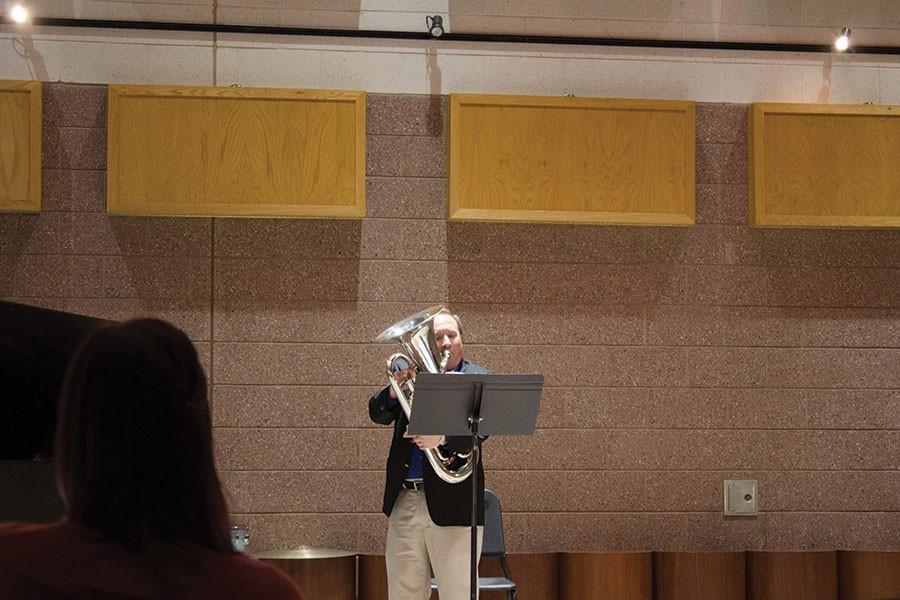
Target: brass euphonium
(420, 352)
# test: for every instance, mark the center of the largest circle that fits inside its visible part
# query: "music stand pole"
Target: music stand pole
(474, 420)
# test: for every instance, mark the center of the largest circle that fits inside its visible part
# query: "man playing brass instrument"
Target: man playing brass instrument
(429, 518)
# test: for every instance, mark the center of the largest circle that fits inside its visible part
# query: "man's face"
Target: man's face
(446, 333)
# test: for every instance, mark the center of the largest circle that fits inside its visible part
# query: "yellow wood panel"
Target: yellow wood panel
(825, 165)
(20, 146)
(236, 151)
(519, 158)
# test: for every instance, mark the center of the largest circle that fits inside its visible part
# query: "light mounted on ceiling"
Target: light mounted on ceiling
(435, 26)
(843, 40)
(19, 14)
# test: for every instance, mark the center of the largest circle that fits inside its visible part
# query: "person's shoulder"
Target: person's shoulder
(20, 543)
(265, 580)
(25, 529)
(27, 533)
(474, 368)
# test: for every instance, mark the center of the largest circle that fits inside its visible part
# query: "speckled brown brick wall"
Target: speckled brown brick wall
(674, 358)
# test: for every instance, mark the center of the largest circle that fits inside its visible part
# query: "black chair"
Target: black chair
(493, 545)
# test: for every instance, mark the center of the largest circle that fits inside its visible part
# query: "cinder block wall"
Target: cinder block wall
(674, 358)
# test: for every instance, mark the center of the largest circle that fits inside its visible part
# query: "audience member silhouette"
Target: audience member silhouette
(145, 516)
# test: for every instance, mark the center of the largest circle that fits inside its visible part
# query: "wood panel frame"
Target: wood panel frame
(31, 201)
(685, 211)
(119, 203)
(760, 178)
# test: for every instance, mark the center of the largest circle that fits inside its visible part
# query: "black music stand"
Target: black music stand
(454, 404)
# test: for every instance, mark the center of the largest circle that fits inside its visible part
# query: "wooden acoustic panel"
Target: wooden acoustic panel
(825, 165)
(869, 575)
(519, 158)
(792, 576)
(700, 576)
(372, 577)
(20, 146)
(602, 576)
(322, 578)
(536, 576)
(236, 152)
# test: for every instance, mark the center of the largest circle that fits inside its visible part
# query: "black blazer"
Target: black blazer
(448, 503)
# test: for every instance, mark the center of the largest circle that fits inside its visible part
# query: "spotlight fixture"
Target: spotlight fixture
(435, 26)
(843, 41)
(18, 13)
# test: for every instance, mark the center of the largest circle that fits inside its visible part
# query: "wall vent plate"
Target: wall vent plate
(741, 497)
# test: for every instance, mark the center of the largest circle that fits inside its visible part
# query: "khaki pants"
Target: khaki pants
(413, 541)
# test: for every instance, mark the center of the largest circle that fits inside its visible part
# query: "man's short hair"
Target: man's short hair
(455, 317)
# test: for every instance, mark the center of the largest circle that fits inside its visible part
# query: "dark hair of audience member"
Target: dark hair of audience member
(133, 447)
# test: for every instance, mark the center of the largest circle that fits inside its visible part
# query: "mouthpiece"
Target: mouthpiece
(445, 356)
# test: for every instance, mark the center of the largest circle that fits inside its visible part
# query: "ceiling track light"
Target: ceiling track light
(435, 26)
(19, 14)
(504, 38)
(843, 40)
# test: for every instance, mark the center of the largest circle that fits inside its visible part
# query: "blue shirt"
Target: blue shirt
(417, 457)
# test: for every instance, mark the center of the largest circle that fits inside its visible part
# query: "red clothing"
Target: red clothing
(66, 561)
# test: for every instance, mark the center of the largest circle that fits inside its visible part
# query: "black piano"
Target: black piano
(36, 345)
